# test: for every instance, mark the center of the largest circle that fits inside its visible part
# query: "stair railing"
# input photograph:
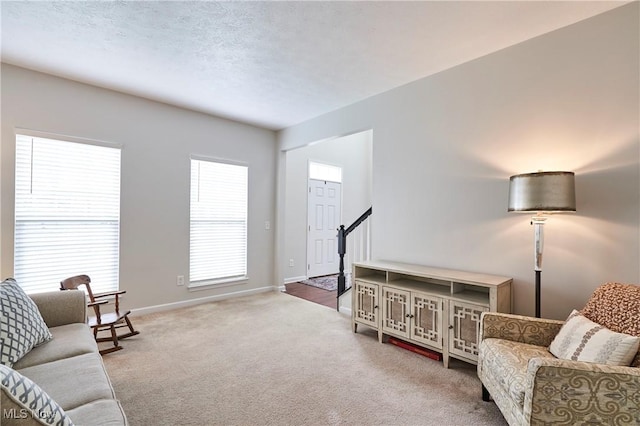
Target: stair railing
(361, 249)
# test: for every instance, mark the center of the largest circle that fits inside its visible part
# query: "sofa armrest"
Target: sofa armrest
(518, 328)
(560, 391)
(61, 307)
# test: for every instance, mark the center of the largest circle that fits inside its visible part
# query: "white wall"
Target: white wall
(157, 141)
(446, 145)
(353, 154)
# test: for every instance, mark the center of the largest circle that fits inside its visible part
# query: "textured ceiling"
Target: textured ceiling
(272, 64)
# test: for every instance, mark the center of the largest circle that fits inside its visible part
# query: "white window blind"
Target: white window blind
(67, 213)
(218, 240)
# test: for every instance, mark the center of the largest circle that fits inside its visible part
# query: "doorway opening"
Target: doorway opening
(328, 183)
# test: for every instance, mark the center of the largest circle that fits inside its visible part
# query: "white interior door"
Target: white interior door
(324, 219)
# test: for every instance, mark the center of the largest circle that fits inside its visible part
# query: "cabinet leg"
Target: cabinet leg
(445, 361)
(380, 336)
(355, 327)
(485, 394)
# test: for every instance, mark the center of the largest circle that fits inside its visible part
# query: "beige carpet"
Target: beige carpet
(274, 359)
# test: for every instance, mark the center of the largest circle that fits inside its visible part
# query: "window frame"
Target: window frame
(323, 171)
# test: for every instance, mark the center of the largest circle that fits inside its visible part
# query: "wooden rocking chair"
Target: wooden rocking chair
(103, 321)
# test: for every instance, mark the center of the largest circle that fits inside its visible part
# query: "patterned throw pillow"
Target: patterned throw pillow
(32, 401)
(617, 307)
(21, 327)
(581, 339)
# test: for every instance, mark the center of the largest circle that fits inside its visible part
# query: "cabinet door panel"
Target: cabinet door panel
(464, 327)
(426, 319)
(395, 311)
(366, 303)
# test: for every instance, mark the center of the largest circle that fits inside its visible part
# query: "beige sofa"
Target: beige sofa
(68, 368)
(531, 386)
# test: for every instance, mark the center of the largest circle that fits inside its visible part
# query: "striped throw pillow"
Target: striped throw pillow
(581, 339)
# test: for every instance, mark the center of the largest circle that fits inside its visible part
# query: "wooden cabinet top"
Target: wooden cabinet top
(463, 277)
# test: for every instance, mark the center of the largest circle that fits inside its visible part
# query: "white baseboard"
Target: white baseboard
(345, 310)
(294, 279)
(200, 300)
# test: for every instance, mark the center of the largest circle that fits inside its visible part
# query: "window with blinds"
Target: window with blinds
(218, 237)
(67, 213)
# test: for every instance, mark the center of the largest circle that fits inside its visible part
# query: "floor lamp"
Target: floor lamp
(543, 193)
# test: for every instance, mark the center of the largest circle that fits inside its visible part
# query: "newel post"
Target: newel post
(342, 242)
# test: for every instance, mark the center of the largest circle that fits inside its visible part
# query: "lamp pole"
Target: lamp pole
(538, 236)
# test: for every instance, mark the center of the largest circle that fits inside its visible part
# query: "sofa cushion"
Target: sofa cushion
(74, 381)
(616, 307)
(68, 341)
(104, 412)
(506, 361)
(24, 399)
(581, 339)
(21, 327)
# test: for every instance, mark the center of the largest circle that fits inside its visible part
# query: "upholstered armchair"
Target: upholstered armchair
(531, 386)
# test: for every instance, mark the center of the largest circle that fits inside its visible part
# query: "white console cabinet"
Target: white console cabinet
(438, 309)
